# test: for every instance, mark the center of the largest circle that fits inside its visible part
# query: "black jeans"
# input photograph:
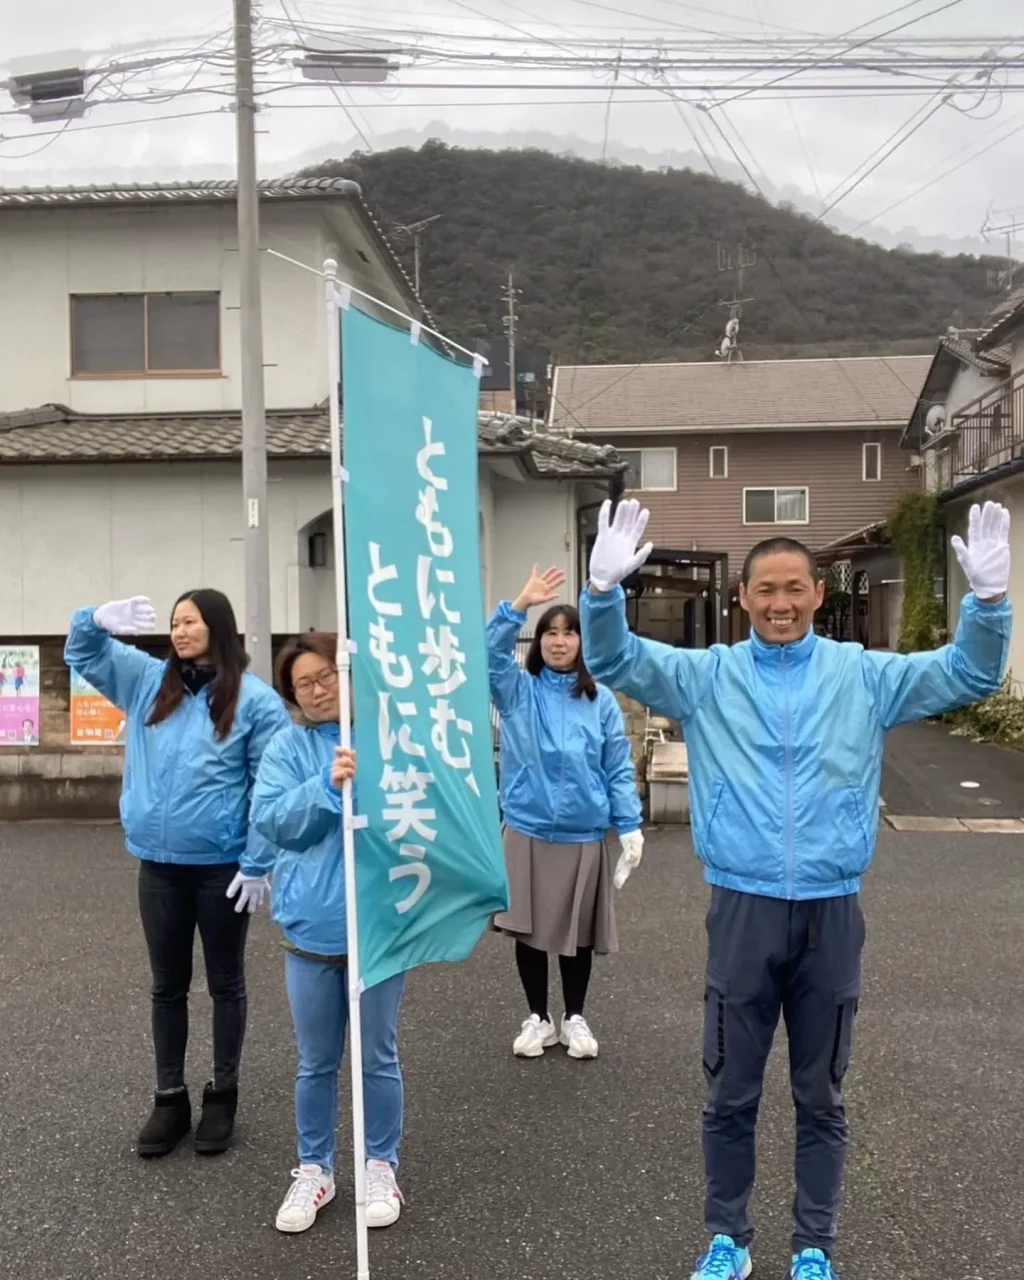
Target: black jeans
(173, 900)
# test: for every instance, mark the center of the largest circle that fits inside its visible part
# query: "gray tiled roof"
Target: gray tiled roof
(845, 391)
(55, 433)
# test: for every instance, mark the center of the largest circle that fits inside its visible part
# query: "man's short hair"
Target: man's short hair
(773, 547)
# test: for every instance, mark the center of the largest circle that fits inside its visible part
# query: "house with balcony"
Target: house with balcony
(120, 413)
(968, 429)
(727, 453)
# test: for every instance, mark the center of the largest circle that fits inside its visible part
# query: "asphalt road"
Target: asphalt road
(552, 1170)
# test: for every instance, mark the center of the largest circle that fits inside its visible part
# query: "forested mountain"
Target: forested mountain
(621, 264)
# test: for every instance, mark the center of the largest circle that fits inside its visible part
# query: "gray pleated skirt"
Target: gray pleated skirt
(561, 896)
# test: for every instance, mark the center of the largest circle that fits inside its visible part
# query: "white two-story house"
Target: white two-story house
(120, 408)
(968, 429)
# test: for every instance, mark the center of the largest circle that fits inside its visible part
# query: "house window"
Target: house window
(719, 463)
(871, 467)
(650, 468)
(135, 334)
(776, 506)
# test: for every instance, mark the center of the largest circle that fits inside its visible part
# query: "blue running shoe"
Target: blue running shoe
(725, 1260)
(811, 1265)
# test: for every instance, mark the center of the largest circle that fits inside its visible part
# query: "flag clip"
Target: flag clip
(350, 646)
(478, 366)
(345, 297)
(343, 475)
(358, 821)
(415, 331)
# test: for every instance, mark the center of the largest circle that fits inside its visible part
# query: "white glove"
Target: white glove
(985, 559)
(629, 859)
(615, 555)
(126, 617)
(251, 892)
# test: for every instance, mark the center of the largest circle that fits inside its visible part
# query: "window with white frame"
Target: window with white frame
(776, 506)
(718, 467)
(871, 462)
(650, 469)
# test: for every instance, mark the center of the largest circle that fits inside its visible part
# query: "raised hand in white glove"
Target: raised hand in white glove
(131, 617)
(985, 559)
(251, 891)
(615, 555)
(629, 859)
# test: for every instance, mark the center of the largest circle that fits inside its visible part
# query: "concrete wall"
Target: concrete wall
(533, 523)
(80, 534)
(47, 255)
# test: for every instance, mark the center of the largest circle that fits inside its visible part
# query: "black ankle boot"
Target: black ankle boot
(170, 1120)
(213, 1133)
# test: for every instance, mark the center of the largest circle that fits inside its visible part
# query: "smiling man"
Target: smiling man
(785, 735)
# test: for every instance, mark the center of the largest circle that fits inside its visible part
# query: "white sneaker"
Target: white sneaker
(578, 1038)
(383, 1198)
(537, 1035)
(311, 1190)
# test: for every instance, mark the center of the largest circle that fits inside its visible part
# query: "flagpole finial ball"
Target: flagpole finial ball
(331, 268)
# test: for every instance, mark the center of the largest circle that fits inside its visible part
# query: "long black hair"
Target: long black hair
(535, 663)
(227, 657)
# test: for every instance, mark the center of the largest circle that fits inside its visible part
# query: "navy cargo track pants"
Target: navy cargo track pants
(768, 956)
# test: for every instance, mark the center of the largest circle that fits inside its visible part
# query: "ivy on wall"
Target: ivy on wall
(913, 524)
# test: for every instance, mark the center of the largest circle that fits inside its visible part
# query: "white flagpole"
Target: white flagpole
(355, 1034)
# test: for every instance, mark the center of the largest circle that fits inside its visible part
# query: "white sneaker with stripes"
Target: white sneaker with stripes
(312, 1188)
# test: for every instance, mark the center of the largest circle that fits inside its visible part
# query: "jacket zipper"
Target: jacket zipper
(561, 772)
(174, 769)
(788, 774)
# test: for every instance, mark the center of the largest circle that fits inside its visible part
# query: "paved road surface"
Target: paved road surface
(925, 766)
(551, 1170)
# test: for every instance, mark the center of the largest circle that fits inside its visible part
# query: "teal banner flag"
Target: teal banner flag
(429, 865)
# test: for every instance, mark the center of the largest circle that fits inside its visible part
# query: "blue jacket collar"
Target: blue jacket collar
(562, 680)
(774, 654)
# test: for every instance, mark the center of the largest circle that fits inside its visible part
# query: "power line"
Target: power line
(334, 88)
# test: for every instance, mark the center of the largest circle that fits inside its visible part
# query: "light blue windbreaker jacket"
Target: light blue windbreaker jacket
(785, 741)
(297, 809)
(185, 796)
(566, 770)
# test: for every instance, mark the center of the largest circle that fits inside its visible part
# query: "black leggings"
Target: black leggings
(173, 900)
(533, 973)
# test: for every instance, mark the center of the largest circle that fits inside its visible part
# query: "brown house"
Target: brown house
(727, 453)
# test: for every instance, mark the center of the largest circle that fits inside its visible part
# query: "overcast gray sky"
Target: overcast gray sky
(800, 147)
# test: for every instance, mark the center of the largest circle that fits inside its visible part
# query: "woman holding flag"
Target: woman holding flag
(297, 807)
(566, 779)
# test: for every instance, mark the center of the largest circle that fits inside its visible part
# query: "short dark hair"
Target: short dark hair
(323, 643)
(773, 547)
(535, 659)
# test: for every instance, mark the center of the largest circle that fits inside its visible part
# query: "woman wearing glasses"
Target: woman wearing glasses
(296, 806)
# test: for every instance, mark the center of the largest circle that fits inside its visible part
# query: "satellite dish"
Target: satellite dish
(936, 420)
(732, 328)
(725, 347)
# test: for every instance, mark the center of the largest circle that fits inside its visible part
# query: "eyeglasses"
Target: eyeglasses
(326, 679)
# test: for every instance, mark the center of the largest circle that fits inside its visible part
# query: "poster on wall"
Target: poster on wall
(19, 695)
(95, 722)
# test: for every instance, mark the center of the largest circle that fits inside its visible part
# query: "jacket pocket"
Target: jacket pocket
(714, 801)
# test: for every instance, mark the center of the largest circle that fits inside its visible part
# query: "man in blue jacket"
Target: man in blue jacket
(785, 735)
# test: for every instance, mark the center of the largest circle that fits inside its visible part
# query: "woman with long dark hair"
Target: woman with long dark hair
(197, 725)
(296, 805)
(566, 779)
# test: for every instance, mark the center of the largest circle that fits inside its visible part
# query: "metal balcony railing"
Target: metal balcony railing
(985, 434)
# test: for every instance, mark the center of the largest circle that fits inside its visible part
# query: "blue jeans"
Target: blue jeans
(318, 995)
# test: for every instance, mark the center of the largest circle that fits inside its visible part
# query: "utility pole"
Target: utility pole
(254, 422)
(415, 229)
(511, 293)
